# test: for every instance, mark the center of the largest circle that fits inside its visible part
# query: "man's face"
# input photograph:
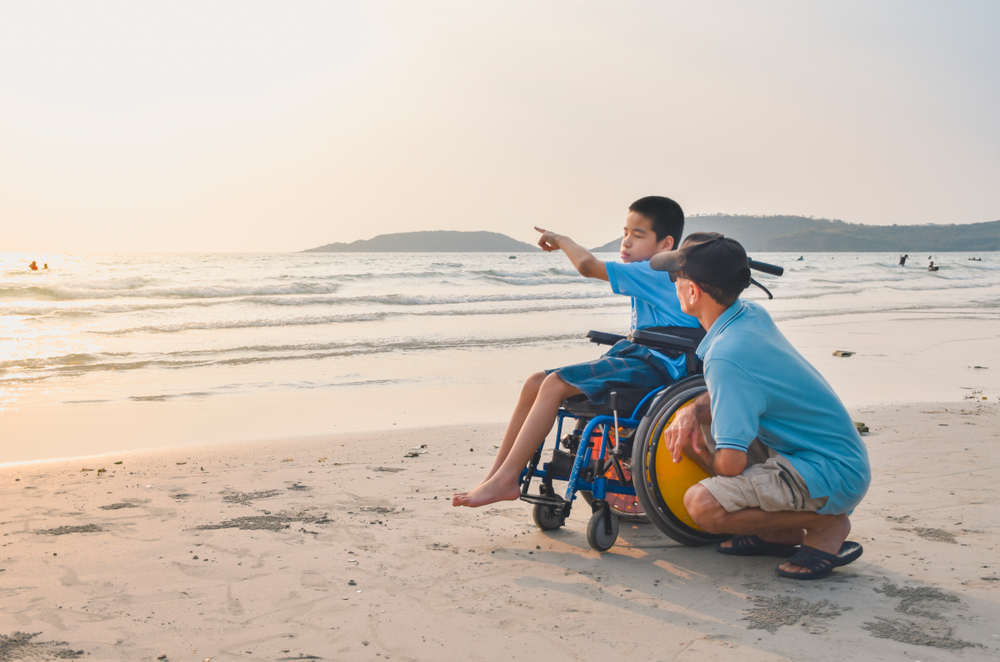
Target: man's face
(639, 242)
(684, 291)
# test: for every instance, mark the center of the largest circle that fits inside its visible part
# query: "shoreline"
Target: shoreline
(248, 551)
(927, 355)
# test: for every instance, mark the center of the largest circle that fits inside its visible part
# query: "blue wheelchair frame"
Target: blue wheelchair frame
(558, 508)
(601, 485)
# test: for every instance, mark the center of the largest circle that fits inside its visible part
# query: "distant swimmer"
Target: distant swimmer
(800, 258)
(902, 260)
(931, 267)
(45, 266)
(33, 266)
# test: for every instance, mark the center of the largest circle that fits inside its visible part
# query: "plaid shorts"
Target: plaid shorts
(625, 365)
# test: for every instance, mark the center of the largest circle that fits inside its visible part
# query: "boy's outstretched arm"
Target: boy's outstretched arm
(584, 261)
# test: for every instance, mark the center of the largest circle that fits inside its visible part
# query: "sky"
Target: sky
(223, 125)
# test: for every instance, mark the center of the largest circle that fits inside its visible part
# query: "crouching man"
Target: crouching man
(811, 467)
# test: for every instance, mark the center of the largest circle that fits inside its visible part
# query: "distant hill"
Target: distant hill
(800, 234)
(438, 241)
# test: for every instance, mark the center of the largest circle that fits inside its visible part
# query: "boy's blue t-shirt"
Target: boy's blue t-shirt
(761, 387)
(654, 302)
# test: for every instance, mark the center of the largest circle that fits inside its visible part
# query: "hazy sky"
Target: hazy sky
(263, 126)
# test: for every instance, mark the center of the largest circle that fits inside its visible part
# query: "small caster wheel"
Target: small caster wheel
(597, 530)
(546, 518)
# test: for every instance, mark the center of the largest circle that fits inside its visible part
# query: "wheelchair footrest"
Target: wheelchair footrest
(540, 499)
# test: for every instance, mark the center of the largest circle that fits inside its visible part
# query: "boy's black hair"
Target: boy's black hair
(664, 214)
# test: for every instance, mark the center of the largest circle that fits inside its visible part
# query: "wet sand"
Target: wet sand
(343, 548)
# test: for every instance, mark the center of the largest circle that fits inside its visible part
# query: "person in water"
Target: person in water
(931, 267)
(653, 225)
(902, 260)
(45, 266)
(33, 266)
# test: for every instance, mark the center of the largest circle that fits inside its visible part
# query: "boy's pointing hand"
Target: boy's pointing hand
(549, 241)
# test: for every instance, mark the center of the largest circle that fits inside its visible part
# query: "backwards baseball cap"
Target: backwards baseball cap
(710, 258)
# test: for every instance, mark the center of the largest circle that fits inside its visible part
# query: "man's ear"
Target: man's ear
(666, 245)
(694, 293)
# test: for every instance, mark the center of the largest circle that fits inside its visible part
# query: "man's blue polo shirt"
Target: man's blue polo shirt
(654, 302)
(762, 387)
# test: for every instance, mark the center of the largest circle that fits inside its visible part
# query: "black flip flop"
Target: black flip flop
(755, 546)
(820, 563)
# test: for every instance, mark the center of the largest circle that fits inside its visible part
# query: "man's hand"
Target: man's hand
(549, 240)
(684, 432)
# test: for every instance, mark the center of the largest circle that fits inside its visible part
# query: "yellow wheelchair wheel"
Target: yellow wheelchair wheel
(659, 483)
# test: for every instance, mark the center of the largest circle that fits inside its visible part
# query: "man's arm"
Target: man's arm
(684, 434)
(584, 261)
(728, 462)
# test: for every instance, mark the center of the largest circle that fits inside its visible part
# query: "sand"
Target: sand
(343, 548)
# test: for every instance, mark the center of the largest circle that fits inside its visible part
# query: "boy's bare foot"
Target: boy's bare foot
(489, 492)
(826, 538)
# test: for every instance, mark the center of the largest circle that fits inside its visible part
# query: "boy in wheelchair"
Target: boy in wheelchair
(653, 225)
(796, 502)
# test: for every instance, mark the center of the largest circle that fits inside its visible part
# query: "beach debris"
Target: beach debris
(299, 487)
(288, 459)
(323, 459)
(101, 471)
(244, 498)
(118, 462)
(119, 505)
(180, 464)
(841, 352)
(979, 367)
(260, 522)
(86, 469)
(770, 613)
(352, 583)
(19, 646)
(63, 530)
(862, 428)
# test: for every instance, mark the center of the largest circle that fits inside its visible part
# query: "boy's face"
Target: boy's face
(639, 243)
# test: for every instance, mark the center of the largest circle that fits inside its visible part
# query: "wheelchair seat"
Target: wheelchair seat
(628, 400)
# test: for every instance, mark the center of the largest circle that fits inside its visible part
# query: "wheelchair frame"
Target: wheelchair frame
(552, 510)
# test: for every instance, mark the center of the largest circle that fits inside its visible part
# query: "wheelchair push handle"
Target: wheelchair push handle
(766, 268)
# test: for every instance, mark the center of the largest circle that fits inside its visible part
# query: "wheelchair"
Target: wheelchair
(617, 464)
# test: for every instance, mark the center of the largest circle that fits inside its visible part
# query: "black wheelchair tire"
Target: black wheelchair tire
(644, 451)
(546, 518)
(597, 538)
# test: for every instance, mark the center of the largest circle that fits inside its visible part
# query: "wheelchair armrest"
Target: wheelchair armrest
(601, 338)
(663, 340)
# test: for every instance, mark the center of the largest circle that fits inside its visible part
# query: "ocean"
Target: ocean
(346, 332)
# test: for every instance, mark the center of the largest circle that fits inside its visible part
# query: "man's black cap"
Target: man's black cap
(708, 257)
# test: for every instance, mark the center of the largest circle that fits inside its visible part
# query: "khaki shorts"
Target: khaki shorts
(770, 483)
